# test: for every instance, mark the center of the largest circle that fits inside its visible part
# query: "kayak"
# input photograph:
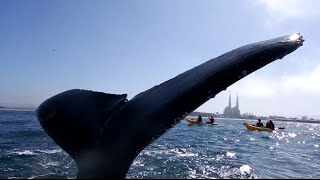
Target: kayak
(191, 121)
(254, 128)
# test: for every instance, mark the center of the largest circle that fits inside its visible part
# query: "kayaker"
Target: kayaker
(211, 119)
(199, 119)
(259, 123)
(270, 124)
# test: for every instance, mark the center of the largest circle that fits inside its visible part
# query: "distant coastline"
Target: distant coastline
(275, 120)
(15, 109)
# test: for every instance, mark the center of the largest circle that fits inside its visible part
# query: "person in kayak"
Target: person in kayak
(199, 119)
(259, 123)
(211, 119)
(270, 124)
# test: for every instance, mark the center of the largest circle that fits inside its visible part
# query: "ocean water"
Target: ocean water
(224, 151)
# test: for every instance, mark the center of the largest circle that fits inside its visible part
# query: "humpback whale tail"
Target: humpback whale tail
(104, 132)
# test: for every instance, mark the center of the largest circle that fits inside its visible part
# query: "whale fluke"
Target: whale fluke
(104, 133)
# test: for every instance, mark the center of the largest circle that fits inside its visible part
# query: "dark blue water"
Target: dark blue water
(224, 151)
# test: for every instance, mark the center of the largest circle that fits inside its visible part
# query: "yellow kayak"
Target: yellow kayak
(254, 128)
(191, 121)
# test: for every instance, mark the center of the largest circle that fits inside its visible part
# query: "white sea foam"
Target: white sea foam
(25, 152)
(292, 134)
(184, 153)
(13, 177)
(231, 155)
(138, 162)
(245, 169)
(51, 151)
(219, 157)
(192, 174)
(51, 163)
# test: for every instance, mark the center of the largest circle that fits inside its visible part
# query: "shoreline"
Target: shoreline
(275, 120)
(14, 109)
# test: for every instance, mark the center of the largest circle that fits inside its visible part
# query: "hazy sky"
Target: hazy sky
(119, 46)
